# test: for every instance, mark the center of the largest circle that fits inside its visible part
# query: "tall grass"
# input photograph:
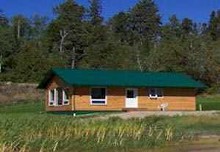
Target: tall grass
(65, 133)
(25, 128)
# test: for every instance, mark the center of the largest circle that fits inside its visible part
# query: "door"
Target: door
(131, 98)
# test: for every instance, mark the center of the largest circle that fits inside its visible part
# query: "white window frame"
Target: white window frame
(156, 93)
(55, 101)
(98, 104)
(55, 97)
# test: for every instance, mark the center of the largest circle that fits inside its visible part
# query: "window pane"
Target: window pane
(52, 94)
(153, 92)
(59, 96)
(130, 94)
(98, 102)
(66, 102)
(65, 95)
(98, 93)
(159, 93)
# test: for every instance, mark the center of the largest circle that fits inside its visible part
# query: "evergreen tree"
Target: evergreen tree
(67, 32)
(95, 12)
(3, 19)
(214, 25)
(119, 25)
(21, 27)
(145, 21)
(144, 26)
(187, 26)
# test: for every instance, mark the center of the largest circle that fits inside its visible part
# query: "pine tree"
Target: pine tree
(3, 19)
(95, 12)
(67, 32)
(144, 26)
(145, 21)
(119, 25)
(213, 23)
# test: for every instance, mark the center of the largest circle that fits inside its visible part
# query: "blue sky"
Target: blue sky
(198, 10)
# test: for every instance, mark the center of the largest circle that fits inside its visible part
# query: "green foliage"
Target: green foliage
(144, 21)
(135, 39)
(119, 25)
(214, 25)
(95, 12)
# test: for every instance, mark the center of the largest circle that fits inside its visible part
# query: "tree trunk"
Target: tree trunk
(63, 35)
(139, 60)
(19, 30)
(138, 54)
(73, 62)
(1, 62)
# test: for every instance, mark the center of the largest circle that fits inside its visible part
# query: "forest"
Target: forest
(136, 39)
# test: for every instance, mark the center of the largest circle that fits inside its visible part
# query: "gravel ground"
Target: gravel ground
(142, 114)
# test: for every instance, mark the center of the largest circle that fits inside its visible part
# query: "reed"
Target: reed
(55, 133)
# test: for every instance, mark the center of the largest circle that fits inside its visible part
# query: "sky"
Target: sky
(198, 10)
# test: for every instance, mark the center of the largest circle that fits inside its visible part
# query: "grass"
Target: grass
(51, 133)
(23, 107)
(26, 127)
(43, 132)
(208, 102)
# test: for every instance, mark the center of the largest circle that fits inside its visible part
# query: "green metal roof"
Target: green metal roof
(82, 77)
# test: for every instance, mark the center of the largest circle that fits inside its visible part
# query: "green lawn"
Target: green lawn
(209, 102)
(26, 127)
(26, 107)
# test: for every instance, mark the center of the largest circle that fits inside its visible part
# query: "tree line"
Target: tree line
(79, 37)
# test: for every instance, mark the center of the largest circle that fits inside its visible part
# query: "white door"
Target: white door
(131, 98)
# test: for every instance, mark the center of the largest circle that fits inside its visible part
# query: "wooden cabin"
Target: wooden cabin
(110, 90)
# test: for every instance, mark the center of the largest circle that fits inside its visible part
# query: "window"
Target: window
(130, 94)
(52, 97)
(65, 97)
(58, 97)
(98, 96)
(155, 93)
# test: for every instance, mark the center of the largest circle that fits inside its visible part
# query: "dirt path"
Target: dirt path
(202, 144)
(142, 114)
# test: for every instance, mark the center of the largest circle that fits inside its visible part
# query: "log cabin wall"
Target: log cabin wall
(176, 98)
(53, 84)
(180, 99)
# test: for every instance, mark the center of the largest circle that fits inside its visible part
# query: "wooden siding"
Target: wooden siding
(176, 98)
(54, 83)
(115, 99)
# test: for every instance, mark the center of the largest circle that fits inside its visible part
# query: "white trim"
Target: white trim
(51, 101)
(55, 101)
(98, 104)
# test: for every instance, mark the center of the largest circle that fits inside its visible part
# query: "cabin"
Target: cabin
(76, 90)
